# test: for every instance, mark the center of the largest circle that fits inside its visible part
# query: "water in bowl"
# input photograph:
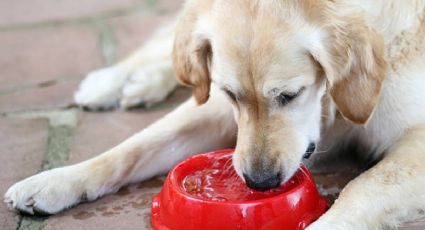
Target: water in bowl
(218, 181)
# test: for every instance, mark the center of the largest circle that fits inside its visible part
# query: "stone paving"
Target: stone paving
(46, 49)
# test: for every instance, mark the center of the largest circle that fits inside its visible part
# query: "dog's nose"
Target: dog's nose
(263, 182)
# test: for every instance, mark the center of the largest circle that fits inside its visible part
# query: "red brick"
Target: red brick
(127, 209)
(22, 147)
(58, 95)
(169, 6)
(35, 11)
(98, 132)
(132, 31)
(30, 57)
(178, 96)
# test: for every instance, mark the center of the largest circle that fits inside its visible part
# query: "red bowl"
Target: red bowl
(295, 206)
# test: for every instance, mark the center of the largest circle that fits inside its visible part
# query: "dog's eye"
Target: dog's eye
(231, 95)
(286, 98)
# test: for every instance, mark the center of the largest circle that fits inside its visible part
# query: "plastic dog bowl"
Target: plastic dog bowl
(204, 192)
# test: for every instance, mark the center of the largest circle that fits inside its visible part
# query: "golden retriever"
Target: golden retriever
(278, 77)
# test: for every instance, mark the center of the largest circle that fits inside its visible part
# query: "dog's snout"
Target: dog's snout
(263, 181)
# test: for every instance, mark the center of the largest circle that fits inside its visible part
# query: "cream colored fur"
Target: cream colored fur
(388, 194)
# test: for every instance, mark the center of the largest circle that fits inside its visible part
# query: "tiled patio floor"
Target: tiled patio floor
(46, 48)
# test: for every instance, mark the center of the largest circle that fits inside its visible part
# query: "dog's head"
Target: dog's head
(275, 60)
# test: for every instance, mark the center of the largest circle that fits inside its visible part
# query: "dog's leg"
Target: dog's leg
(389, 193)
(144, 77)
(188, 130)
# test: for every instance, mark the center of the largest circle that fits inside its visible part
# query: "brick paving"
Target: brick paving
(46, 49)
(23, 144)
(132, 30)
(39, 55)
(14, 12)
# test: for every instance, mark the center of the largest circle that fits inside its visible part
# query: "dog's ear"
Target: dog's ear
(352, 56)
(192, 57)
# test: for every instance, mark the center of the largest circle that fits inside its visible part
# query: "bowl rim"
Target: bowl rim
(176, 185)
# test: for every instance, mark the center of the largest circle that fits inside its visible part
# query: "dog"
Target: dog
(276, 78)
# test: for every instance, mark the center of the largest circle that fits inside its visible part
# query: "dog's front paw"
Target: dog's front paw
(148, 86)
(101, 89)
(46, 193)
(111, 87)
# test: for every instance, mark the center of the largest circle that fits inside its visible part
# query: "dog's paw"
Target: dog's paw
(101, 89)
(148, 86)
(46, 193)
(111, 87)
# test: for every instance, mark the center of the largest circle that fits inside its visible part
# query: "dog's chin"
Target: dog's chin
(289, 172)
(236, 161)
